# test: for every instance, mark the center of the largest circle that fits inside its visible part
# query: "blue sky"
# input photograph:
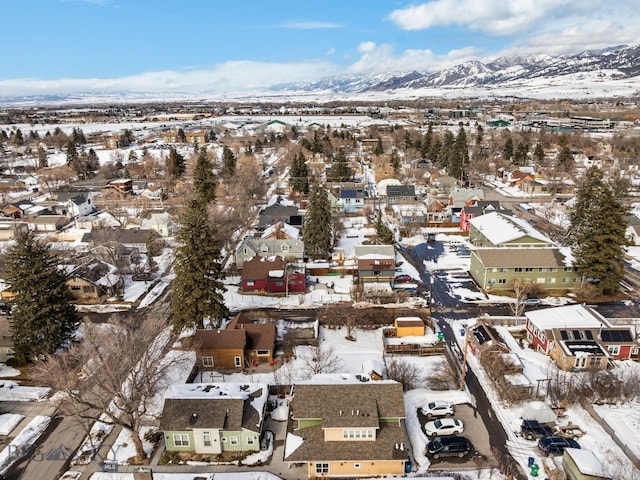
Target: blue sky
(216, 46)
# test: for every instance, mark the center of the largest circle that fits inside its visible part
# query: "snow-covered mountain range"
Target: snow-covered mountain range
(611, 64)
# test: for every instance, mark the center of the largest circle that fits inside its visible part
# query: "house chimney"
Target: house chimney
(142, 473)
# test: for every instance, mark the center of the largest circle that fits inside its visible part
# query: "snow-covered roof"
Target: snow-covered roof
(238, 390)
(499, 228)
(340, 378)
(375, 256)
(567, 316)
(586, 461)
(290, 231)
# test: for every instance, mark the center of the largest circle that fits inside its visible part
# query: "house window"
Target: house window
(237, 361)
(356, 465)
(567, 269)
(262, 353)
(502, 280)
(594, 361)
(322, 468)
(285, 247)
(565, 280)
(251, 283)
(246, 251)
(518, 269)
(264, 249)
(207, 361)
(614, 349)
(351, 434)
(181, 439)
(251, 440)
(542, 269)
(528, 269)
(224, 439)
(503, 269)
(206, 439)
(233, 440)
(541, 336)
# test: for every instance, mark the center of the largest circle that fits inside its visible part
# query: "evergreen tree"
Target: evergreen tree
(77, 136)
(597, 232)
(182, 137)
(507, 149)
(133, 156)
(479, 135)
(538, 153)
(91, 162)
(520, 154)
(317, 226)
(564, 160)
(299, 173)
(446, 149)
(426, 143)
(175, 163)
(204, 181)
(43, 317)
(228, 162)
(197, 287)
(384, 235)
(434, 151)
(339, 168)
(459, 158)
(18, 139)
(72, 153)
(43, 160)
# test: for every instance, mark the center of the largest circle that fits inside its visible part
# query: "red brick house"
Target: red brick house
(271, 276)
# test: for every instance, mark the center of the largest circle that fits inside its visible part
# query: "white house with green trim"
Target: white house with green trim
(212, 418)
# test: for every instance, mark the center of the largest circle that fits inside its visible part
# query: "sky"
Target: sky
(218, 46)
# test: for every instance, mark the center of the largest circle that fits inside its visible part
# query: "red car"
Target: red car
(404, 279)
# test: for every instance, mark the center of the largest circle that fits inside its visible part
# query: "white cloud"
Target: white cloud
(310, 25)
(505, 17)
(382, 58)
(366, 47)
(330, 52)
(235, 76)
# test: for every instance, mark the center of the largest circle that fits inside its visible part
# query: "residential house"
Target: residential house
(551, 186)
(242, 343)
(463, 197)
(633, 234)
(410, 213)
(582, 464)
(196, 138)
(352, 200)
(161, 223)
(123, 186)
(437, 212)
(443, 185)
(351, 428)
(271, 275)
(74, 204)
(132, 238)
(477, 209)
(214, 418)
(401, 194)
(6, 340)
(578, 337)
(94, 280)
(548, 268)
(171, 137)
(376, 263)
(498, 230)
(279, 210)
(483, 340)
(280, 239)
(18, 210)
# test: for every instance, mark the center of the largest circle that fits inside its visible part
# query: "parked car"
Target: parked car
(449, 447)
(404, 278)
(438, 408)
(444, 426)
(553, 446)
(531, 429)
(532, 302)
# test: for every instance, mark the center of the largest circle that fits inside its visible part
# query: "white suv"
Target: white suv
(438, 408)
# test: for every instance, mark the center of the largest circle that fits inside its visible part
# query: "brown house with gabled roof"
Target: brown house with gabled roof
(241, 344)
(348, 429)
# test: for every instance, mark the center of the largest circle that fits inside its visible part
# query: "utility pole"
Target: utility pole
(463, 375)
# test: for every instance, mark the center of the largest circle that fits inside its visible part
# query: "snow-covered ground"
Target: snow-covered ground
(19, 446)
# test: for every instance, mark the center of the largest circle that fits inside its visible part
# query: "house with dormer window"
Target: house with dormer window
(349, 427)
(212, 418)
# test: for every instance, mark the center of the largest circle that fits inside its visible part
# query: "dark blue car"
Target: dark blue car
(553, 446)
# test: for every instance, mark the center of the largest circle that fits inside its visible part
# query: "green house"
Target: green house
(214, 418)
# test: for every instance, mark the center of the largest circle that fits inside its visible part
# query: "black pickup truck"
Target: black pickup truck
(531, 429)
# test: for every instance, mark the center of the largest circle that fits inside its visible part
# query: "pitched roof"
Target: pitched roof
(499, 228)
(220, 339)
(401, 191)
(519, 257)
(259, 267)
(567, 316)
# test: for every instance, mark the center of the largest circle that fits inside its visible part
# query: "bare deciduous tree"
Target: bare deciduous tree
(321, 360)
(404, 372)
(117, 370)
